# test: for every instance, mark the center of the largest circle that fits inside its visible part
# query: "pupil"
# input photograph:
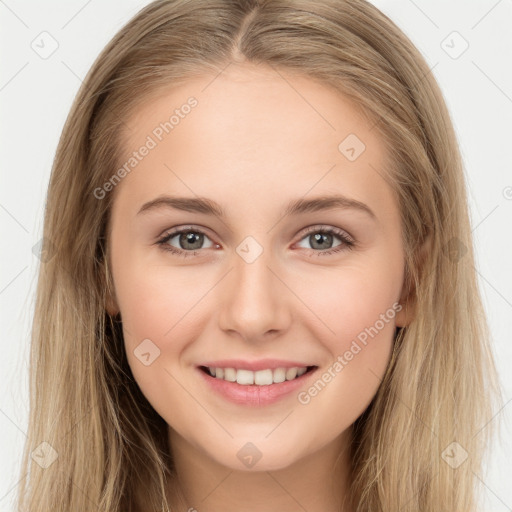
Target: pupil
(317, 237)
(189, 238)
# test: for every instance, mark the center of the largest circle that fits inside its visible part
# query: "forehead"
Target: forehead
(251, 99)
(255, 132)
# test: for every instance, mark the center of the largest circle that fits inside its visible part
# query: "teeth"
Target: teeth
(260, 378)
(230, 374)
(279, 375)
(245, 377)
(291, 373)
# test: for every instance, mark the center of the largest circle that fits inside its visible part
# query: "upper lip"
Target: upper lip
(260, 364)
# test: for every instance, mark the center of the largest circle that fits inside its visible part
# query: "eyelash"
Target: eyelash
(347, 243)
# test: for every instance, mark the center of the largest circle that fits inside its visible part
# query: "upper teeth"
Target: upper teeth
(260, 378)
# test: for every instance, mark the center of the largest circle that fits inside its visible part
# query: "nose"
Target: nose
(254, 302)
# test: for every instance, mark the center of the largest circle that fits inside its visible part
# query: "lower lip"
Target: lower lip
(254, 395)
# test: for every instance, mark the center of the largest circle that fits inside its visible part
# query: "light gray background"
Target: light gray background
(35, 96)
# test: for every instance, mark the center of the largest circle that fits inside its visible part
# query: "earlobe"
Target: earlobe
(406, 314)
(111, 305)
(407, 303)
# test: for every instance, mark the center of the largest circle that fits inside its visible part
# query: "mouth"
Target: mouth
(263, 377)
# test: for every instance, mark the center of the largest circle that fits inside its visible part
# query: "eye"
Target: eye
(321, 238)
(189, 239)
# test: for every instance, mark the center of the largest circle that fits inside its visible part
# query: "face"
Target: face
(222, 255)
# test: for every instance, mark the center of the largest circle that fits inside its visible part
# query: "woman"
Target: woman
(250, 372)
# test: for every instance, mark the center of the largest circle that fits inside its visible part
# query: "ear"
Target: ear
(406, 315)
(111, 304)
(408, 298)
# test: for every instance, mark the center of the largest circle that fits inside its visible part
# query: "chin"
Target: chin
(254, 456)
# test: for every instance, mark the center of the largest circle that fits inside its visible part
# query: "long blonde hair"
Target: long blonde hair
(435, 403)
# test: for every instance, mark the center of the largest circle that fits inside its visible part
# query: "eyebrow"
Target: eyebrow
(294, 207)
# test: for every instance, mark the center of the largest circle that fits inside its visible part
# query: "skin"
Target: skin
(253, 143)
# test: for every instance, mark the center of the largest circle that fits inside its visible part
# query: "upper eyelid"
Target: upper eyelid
(177, 231)
(323, 227)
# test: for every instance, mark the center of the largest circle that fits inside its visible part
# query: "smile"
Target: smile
(258, 387)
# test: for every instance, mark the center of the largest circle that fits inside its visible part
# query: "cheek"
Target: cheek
(165, 307)
(158, 322)
(351, 301)
(357, 306)
(146, 309)
(150, 310)
(157, 301)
